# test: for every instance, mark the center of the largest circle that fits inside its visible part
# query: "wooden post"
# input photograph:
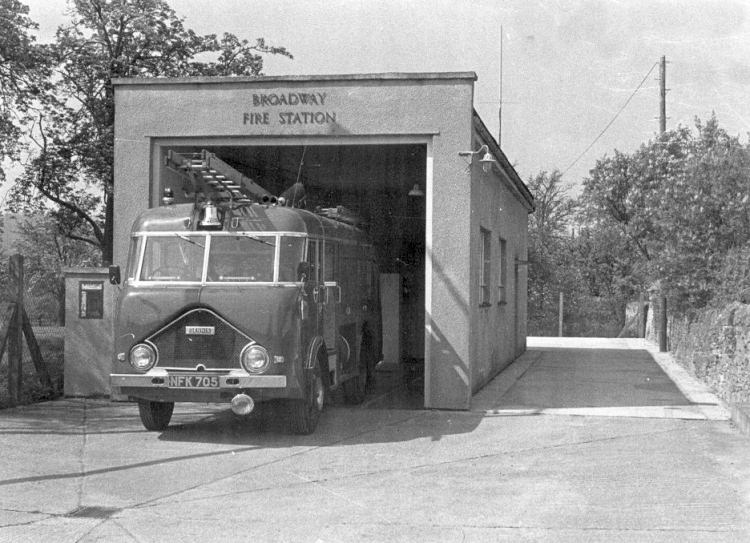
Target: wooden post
(662, 130)
(15, 331)
(61, 303)
(641, 324)
(560, 317)
(35, 351)
(663, 324)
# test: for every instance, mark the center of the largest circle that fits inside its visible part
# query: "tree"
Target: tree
(22, 72)
(550, 266)
(680, 204)
(71, 166)
(47, 250)
(553, 207)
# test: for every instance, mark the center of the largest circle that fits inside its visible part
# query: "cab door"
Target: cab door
(314, 286)
(331, 299)
(322, 300)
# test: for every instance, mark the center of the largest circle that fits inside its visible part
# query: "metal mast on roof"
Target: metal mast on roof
(500, 110)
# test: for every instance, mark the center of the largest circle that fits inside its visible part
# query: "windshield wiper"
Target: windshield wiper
(185, 238)
(259, 240)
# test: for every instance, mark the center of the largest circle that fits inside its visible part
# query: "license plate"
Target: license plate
(200, 330)
(193, 381)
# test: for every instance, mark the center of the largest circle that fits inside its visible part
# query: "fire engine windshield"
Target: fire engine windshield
(241, 258)
(251, 258)
(236, 257)
(173, 257)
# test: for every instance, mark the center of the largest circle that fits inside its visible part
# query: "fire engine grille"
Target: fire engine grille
(199, 338)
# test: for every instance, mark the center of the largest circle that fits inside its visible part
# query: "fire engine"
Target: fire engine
(241, 297)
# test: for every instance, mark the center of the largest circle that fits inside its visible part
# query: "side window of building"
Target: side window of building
(502, 275)
(486, 267)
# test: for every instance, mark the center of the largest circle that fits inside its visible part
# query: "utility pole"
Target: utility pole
(662, 130)
(663, 94)
(500, 110)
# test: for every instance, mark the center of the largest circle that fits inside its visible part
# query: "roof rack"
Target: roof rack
(211, 175)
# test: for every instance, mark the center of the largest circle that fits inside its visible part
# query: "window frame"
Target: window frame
(485, 270)
(502, 276)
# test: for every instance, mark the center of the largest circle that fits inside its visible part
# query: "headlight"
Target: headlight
(142, 357)
(254, 358)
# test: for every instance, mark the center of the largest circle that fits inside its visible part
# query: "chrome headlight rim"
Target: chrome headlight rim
(252, 348)
(150, 350)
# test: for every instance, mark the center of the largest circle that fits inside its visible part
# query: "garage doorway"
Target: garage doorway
(385, 186)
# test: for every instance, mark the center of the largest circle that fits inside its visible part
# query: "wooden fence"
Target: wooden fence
(14, 326)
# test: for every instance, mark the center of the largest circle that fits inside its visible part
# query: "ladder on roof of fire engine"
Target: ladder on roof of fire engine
(210, 174)
(340, 214)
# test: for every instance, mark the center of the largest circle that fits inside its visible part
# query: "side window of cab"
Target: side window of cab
(312, 260)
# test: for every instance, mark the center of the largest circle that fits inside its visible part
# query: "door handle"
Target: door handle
(336, 288)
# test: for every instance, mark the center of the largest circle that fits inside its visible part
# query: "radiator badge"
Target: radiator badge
(200, 330)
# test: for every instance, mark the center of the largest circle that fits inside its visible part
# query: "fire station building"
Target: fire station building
(445, 210)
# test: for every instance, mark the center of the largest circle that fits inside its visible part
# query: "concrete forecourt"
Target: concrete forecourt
(579, 440)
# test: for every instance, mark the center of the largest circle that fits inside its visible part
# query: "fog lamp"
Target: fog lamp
(242, 404)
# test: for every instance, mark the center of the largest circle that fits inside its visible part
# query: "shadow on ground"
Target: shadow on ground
(392, 412)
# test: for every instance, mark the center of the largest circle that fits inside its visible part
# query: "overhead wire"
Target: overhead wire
(622, 108)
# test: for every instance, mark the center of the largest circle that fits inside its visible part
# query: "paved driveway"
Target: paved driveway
(528, 464)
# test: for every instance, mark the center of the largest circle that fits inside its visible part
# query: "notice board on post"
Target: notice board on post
(91, 299)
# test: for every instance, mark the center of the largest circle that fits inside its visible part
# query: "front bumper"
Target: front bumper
(160, 379)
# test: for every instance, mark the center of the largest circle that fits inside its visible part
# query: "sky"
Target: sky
(568, 66)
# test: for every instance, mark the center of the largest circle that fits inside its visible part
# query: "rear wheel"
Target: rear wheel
(305, 413)
(155, 416)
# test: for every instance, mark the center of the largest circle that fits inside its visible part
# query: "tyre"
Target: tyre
(155, 416)
(305, 413)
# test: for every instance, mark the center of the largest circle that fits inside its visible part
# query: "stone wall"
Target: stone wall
(715, 347)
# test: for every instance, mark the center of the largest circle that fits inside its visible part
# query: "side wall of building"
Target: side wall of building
(499, 235)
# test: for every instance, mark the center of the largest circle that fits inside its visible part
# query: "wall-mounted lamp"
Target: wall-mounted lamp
(486, 161)
(416, 192)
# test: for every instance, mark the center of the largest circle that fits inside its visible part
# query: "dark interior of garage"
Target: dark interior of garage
(383, 185)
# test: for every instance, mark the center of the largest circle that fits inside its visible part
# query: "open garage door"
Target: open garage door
(384, 185)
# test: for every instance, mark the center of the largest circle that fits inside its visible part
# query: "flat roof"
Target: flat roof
(390, 76)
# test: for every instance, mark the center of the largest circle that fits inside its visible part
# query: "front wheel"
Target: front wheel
(305, 413)
(155, 416)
